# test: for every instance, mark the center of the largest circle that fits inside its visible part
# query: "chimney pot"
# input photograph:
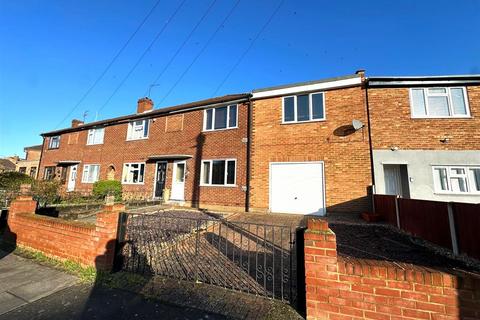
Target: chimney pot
(360, 72)
(76, 123)
(144, 105)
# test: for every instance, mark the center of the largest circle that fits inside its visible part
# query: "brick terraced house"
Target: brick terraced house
(196, 151)
(307, 148)
(306, 157)
(425, 134)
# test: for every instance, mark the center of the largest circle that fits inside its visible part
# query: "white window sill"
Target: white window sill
(300, 122)
(215, 130)
(131, 139)
(133, 183)
(219, 185)
(442, 117)
(94, 144)
(446, 193)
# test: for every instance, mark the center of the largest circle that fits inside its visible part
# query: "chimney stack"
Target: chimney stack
(76, 123)
(361, 73)
(144, 105)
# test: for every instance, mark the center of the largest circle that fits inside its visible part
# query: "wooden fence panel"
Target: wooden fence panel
(426, 219)
(385, 206)
(467, 226)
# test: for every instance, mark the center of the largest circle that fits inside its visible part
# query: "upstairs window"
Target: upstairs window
(439, 102)
(91, 173)
(133, 173)
(138, 129)
(456, 179)
(218, 172)
(95, 136)
(220, 118)
(303, 108)
(54, 142)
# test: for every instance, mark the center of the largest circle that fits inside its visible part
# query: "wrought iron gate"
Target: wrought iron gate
(250, 257)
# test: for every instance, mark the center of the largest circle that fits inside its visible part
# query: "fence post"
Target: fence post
(453, 232)
(397, 211)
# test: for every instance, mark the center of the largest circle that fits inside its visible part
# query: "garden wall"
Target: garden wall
(87, 244)
(341, 288)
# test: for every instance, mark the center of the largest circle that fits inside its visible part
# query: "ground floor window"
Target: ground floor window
(22, 169)
(33, 172)
(457, 179)
(49, 173)
(219, 172)
(91, 173)
(133, 173)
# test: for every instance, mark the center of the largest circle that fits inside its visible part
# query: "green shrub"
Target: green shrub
(11, 181)
(104, 188)
(46, 191)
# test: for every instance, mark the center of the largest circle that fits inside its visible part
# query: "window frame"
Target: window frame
(94, 130)
(130, 163)
(50, 147)
(203, 184)
(310, 108)
(469, 184)
(45, 172)
(213, 118)
(448, 94)
(83, 172)
(130, 130)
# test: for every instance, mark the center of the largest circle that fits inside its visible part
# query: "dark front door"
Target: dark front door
(160, 179)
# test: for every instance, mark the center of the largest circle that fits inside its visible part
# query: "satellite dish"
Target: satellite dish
(357, 124)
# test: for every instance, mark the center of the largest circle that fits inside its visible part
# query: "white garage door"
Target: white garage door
(297, 187)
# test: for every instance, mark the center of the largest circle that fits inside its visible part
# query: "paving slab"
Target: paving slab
(25, 281)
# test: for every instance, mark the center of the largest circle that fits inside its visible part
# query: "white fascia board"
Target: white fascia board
(308, 88)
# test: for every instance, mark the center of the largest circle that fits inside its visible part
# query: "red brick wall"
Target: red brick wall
(339, 288)
(163, 140)
(346, 159)
(392, 125)
(90, 245)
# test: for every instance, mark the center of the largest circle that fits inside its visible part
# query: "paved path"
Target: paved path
(23, 281)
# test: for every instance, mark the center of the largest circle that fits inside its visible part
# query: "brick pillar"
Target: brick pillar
(320, 268)
(106, 227)
(22, 204)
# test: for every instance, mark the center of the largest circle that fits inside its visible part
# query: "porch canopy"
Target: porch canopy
(169, 157)
(67, 162)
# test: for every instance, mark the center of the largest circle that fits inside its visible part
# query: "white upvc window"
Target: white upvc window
(303, 108)
(439, 102)
(219, 172)
(220, 118)
(457, 179)
(91, 173)
(54, 142)
(133, 173)
(49, 173)
(138, 129)
(95, 136)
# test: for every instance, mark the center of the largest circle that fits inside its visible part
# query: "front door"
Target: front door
(160, 178)
(72, 178)
(178, 181)
(393, 182)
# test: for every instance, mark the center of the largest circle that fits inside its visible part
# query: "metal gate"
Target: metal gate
(250, 257)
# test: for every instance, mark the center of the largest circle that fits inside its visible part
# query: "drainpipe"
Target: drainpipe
(40, 160)
(249, 142)
(370, 144)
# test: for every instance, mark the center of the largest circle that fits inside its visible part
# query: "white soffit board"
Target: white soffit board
(308, 87)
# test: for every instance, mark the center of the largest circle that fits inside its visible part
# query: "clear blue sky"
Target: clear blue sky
(51, 52)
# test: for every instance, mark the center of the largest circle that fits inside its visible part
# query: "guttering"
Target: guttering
(335, 83)
(409, 81)
(40, 160)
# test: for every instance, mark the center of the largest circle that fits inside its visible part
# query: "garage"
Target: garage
(297, 187)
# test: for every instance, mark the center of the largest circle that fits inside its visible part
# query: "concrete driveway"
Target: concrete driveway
(23, 281)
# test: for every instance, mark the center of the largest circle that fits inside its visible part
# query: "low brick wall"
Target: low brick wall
(347, 288)
(87, 244)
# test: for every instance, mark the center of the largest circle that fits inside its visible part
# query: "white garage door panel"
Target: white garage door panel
(297, 188)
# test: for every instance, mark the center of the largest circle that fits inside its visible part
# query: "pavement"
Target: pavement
(29, 290)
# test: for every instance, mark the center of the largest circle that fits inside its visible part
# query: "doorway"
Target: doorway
(72, 178)
(178, 181)
(396, 180)
(160, 178)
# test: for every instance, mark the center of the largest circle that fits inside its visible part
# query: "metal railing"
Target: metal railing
(243, 256)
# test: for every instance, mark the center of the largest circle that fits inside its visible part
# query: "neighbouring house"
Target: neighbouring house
(425, 134)
(29, 165)
(8, 164)
(191, 154)
(306, 156)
